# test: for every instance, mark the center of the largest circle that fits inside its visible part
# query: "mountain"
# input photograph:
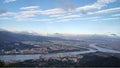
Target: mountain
(6, 37)
(12, 36)
(92, 37)
(13, 40)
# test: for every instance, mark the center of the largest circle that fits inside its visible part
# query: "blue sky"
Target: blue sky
(61, 16)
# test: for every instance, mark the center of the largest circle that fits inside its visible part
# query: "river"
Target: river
(93, 48)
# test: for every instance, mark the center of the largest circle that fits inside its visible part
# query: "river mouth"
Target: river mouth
(101, 49)
(93, 48)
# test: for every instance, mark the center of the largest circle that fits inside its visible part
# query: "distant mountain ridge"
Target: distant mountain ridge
(91, 37)
(26, 36)
(12, 36)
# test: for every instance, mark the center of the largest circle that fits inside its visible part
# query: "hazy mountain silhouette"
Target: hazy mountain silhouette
(12, 36)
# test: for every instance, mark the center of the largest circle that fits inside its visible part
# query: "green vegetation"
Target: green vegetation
(2, 64)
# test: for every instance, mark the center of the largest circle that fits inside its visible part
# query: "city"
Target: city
(59, 33)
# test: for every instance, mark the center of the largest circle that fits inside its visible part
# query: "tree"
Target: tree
(2, 64)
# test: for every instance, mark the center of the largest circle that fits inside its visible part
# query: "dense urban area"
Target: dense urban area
(55, 51)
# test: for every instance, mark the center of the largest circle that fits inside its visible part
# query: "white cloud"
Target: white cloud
(106, 11)
(63, 20)
(4, 18)
(42, 20)
(116, 15)
(55, 11)
(27, 14)
(57, 15)
(30, 8)
(97, 5)
(105, 19)
(69, 17)
(8, 1)
(78, 19)
(60, 14)
(87, 18)
(32, 11)
(104, 2)
(7, 14)
(110, 19)
(58, 19)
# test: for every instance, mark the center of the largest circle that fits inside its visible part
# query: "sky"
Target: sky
(61, 16)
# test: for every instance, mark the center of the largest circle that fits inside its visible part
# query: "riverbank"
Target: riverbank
(93, 48)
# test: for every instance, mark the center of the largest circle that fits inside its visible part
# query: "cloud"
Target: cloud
(58, 19)
(87, 18)
(69, 17)
(55, 11)
(116, 15)
(78, 19)
(7, 14)
(4, 18)
(42, 20)
(57, 15)
(33, 11)
(3, 11)
(97, 5)
(105, 19)
(114, 34)
(26, 14)
(110, 19)
(64, 14)
(30, 8)
(62, 20)
(104, 2)
(106, 11)
(8, 1)
(66, 5)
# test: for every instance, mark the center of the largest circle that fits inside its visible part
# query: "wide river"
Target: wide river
(93, 48)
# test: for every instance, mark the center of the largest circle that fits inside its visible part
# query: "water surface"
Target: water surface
(36, 56)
